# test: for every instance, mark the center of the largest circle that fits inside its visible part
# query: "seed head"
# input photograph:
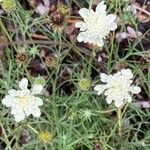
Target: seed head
(84, 84)
(8, 5)
(45, 136)
(21, 57)
(51, 61)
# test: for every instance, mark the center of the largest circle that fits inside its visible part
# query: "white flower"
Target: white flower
(24, 102)
(118, 87)
(95, 25)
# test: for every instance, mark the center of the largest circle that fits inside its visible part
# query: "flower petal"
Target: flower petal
(19, 116)
(13, 92)
(36, 112)
(103, 77)
(28, 110)
(37, 89)
(111, 18)
(7, 101)
(129, 98)
(127, 73)
(23, 84)
(99, 88)
(84, 13)
(81, 37)
(109, 100)
(38, 101)
(135, 89)
(118, 103)
(99, 42)
(113, 26)
(81, 25)
(101, 8)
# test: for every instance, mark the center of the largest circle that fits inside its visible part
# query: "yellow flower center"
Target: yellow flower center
(23, 100)
(45, 136)
(117, 86)
(94, 27)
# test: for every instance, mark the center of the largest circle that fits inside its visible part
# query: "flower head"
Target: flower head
(64, 9)
(8, 5)
(23, 102)
(51, 61)
(84, 84)
(118, 87)
(45, 136)
(96, 25)
(21, 57)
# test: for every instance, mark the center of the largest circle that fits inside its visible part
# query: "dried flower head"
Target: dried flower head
(118, 87)
(57, 19)
(25, 137)
(51, 61)
(96, 25)
(63, 9)
(84, 84)
(45, 136)
(21, 57)
(8, 5)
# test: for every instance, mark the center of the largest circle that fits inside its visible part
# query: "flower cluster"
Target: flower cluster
(23, 102)
(96, 25)
(117, 87)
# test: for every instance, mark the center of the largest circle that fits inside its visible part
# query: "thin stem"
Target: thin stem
(119, 120)
(106, 111)
(32, 129)
(90, 5)
(5, 135)
(6, 32)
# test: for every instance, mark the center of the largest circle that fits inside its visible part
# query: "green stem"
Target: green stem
(6, 138)
(90, 5)
(6, 32)
(106, 111)
(32, 129)
(119, 121)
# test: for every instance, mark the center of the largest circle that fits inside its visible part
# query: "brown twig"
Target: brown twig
(142, 10)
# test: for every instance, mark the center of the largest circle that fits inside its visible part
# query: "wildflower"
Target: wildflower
(84, 84)
(8, 5)
(95, 25)
(45, 136)
(23, 102)
(118, 87)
